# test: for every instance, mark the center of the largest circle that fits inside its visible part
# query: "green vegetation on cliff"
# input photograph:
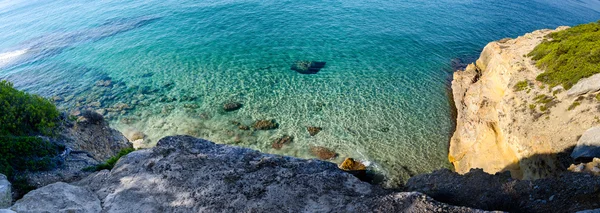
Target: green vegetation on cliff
(24, 114)
(110, 163)
(26, 153)
(22, 117)
(569, 55)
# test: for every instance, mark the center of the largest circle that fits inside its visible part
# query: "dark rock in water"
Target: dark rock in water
(322, 152)
(232, 106)
(279, 142)
(313, 130)
(458, 64)
(235, 123)
(265, 125)
(147, 75)
(308, 67)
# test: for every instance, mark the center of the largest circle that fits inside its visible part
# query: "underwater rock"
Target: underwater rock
(57, 99)
(350, 164)
(101, 111)
(103, 83)
(308, 67)
(232, 106)
(205, 116)
(133, 134)
(95, 104)
(313, 130)
(191, 106)
(119, 107)
(265, 125)
(322, 152)
(279, 142)
(243, 127)
(355, 168)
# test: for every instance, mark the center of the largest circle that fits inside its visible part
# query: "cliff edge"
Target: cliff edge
(508, 121)
(186, 174)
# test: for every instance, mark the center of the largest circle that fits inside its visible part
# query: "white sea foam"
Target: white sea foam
(9, 57)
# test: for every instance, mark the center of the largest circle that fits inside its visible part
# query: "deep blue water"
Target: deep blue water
(382, 98)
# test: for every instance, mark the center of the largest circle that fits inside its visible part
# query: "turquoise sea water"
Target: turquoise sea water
(382, 98)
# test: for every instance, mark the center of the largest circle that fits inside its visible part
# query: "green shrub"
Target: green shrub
(543, 99)
(573, 105)
(24, 153)
(521, 85)
(569, 55)
(598, 97)
(110, 163)
(22, 113)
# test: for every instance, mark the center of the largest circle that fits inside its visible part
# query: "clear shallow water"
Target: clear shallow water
(382, 97)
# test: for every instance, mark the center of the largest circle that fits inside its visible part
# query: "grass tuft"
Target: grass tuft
(521, 85)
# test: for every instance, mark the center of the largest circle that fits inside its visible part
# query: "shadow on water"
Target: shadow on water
(555, 190)
(53, 44)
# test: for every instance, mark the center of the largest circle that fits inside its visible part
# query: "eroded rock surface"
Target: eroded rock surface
(185, 174)
(568, 192)
(59, 197)
(5, 192)
(508, 121)
(92, 134)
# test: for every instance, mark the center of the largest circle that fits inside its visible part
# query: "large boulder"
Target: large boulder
(59, 197)
(585, 85)
(588, 145)
(5, 192)
(186, 174)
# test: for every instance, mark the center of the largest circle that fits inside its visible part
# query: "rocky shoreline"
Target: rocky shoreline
(508, 156)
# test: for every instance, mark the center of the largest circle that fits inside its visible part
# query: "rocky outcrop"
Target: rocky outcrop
(92, 134)
(591, 84)
(5, 192)
(59, 197)
(185, 174)
(588, 145)
(568, 192)
(508, 121)
(87, 141)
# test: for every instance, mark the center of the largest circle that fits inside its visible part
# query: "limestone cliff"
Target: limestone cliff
(508, 121)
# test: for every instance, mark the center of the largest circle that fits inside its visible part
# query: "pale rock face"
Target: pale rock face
(588, 145)
(502, 129)
(591, 84)
(5, 192)
(58, 197)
